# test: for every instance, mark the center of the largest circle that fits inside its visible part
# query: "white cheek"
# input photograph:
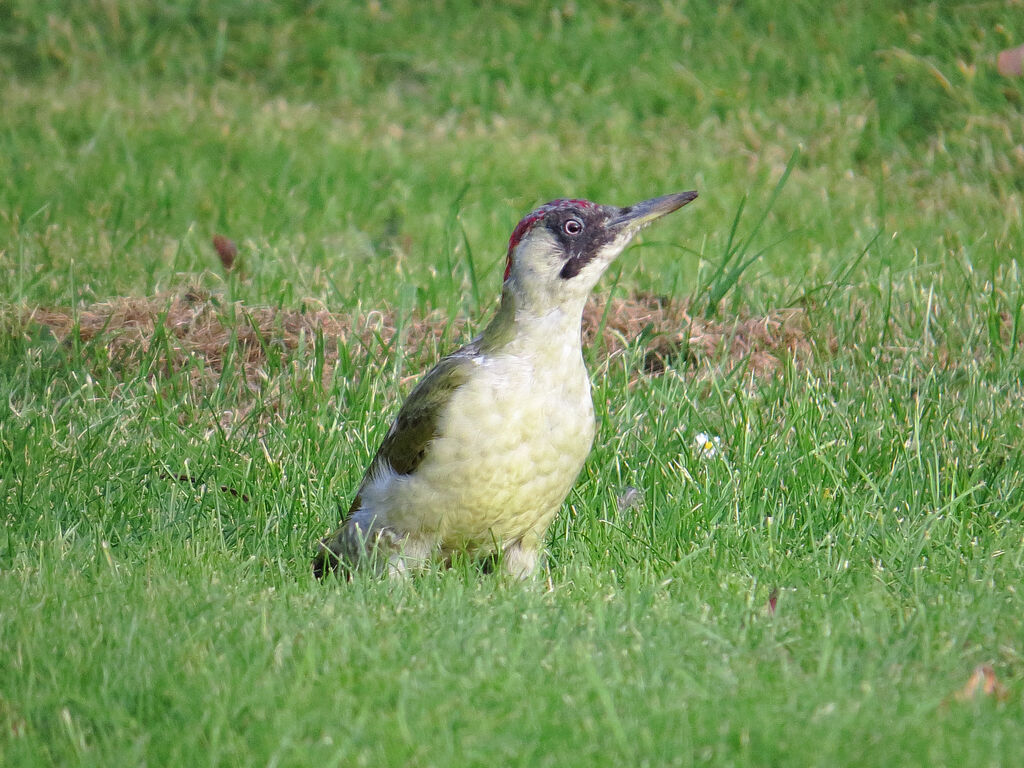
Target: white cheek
(594, 268)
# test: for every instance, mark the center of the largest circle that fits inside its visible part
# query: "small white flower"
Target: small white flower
(707, 445)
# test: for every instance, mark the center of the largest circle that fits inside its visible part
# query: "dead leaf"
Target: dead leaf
(226, 250)
(1010, 62)
(982, 681)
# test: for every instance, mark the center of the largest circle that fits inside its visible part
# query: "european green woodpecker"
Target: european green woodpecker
(490, 441)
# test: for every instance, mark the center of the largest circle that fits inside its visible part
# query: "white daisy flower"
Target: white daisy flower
(707, 445)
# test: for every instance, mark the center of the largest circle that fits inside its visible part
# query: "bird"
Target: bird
(490, 441)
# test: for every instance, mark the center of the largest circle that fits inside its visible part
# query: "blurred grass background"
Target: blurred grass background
(817, 593)
(328, 137)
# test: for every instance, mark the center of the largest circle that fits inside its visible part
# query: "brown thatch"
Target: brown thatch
(196, 329)
(671, 336)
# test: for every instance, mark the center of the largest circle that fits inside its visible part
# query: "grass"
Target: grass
(817, 592)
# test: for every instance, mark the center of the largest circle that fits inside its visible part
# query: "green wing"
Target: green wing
(406, 443)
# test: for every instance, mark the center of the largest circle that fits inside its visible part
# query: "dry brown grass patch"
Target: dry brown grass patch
(198, 329)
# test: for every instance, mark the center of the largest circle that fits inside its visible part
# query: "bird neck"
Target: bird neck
(519, 327)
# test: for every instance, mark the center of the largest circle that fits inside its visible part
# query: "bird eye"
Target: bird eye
(573, 226)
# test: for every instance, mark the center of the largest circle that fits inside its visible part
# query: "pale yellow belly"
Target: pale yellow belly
(510, 449)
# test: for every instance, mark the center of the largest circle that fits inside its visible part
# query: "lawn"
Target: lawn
(799, 539)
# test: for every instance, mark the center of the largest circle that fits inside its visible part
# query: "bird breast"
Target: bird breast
(509, 448)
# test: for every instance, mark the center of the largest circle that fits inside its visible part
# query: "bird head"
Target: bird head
(558, 252)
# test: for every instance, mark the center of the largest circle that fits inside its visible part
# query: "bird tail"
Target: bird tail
(327, 559)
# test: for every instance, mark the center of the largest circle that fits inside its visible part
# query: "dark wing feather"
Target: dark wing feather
(407, 442)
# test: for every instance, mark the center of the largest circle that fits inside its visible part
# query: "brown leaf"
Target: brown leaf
(1010, 62)
(982, 681)
(226, 250)
(773, 600)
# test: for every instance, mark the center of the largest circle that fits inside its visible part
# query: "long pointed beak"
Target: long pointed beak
(634, 217)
